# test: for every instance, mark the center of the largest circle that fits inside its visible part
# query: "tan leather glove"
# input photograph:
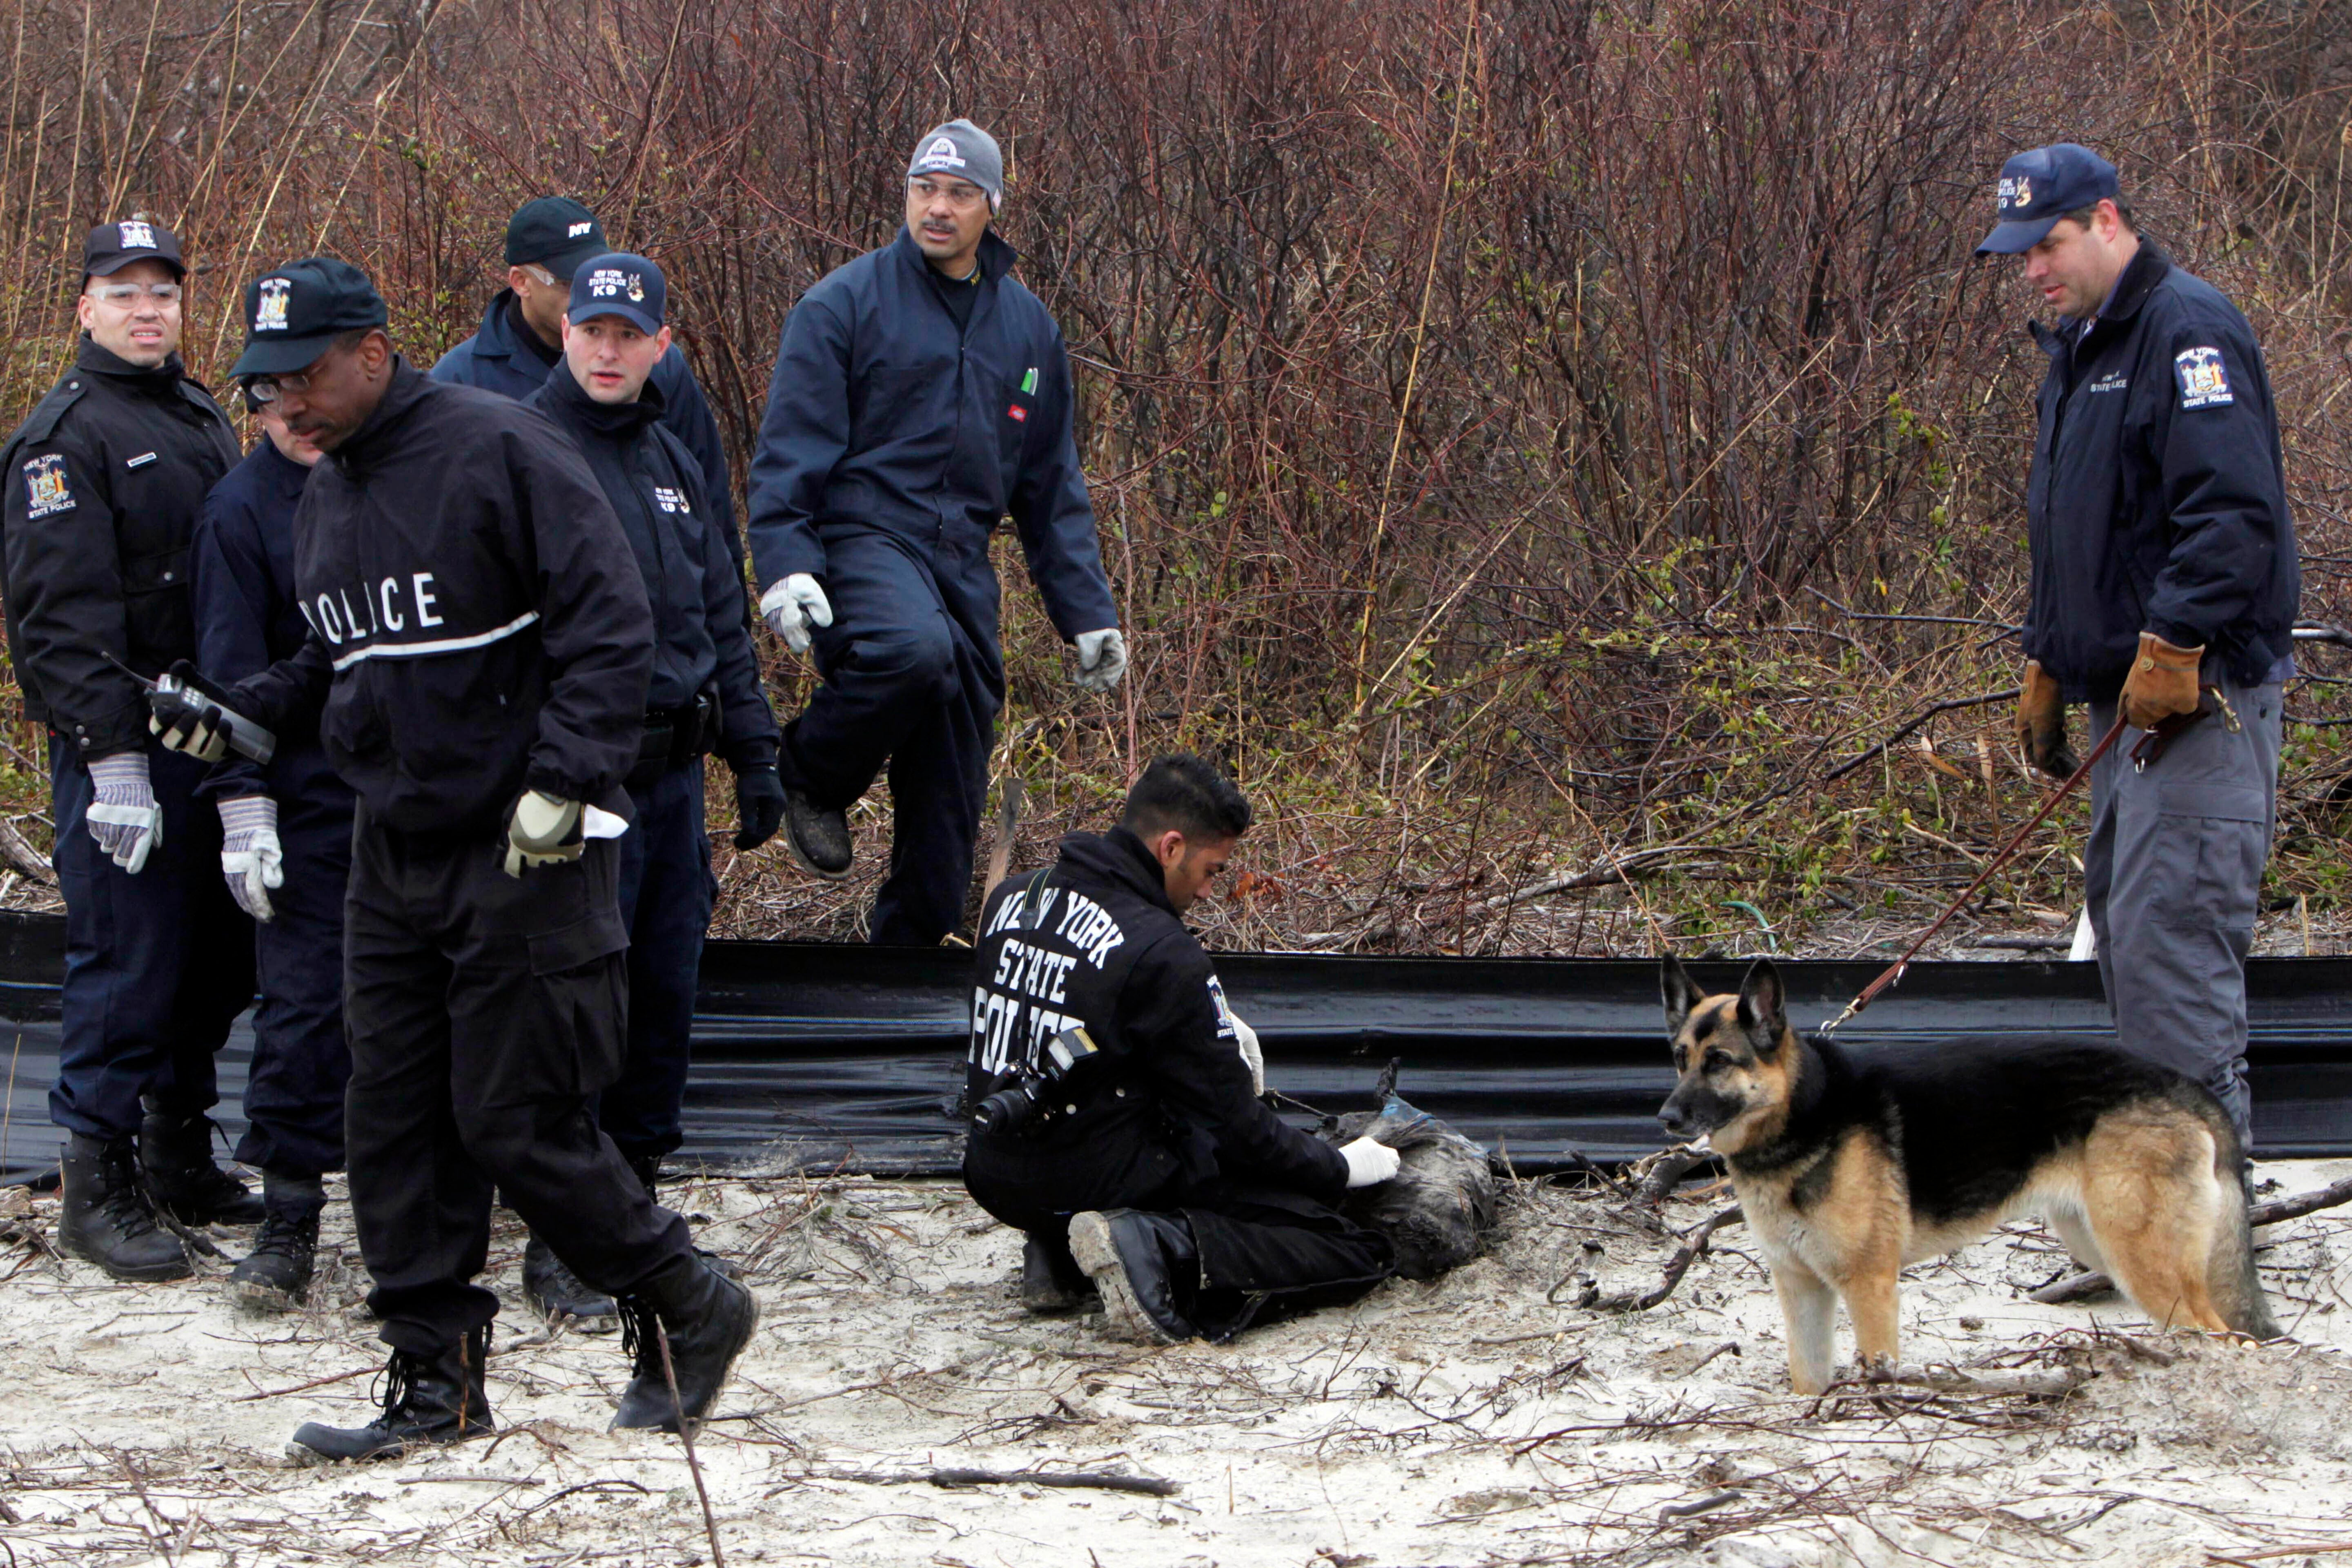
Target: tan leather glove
(2163, 682)
(2042, 723)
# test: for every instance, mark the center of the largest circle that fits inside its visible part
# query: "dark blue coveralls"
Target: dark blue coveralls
(895, 437)
(506, 356)
(246, 620)
(705, 690)
(102, 482)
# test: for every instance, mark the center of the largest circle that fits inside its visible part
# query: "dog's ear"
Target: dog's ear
(1763, 1007)
(1679, 991)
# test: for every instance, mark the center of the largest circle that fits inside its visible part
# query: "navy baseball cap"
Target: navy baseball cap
(619, 284)
(112, 247)
(557, 233)
(2039, 187)
(295, 314)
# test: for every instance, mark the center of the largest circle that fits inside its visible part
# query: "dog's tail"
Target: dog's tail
(2230, 1274)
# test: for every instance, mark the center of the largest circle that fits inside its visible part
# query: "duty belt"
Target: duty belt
(673, 737)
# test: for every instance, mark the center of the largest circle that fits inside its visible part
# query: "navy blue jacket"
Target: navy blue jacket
(884, 414)
(242, 572)
(2158, 498)
(694, 585)
(507, 356)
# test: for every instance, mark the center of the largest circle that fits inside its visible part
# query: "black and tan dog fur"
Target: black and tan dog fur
(1849, 1164)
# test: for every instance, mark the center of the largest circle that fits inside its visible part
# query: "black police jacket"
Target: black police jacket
(241, 570)
(885, 413)
(2158, 498)
(693, 582)
(103, 481)
(477, 623)
(506, 356)
(1096, 942)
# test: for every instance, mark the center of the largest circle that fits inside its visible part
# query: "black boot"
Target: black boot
(426, 1400)
(276, 1274)
(818, 840)
(555, 1292)
(648, 1169)
(1136, 1259)
(106, 1219)
(177, 1153)
(709, 1319)
(1051, 1279)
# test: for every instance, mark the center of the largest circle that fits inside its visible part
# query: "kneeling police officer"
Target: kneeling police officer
(1116, 1117)
(477, 668)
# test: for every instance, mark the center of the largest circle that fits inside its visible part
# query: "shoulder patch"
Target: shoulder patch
(46, 489)
(2204, 381)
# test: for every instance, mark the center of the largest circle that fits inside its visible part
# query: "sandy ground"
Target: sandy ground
(1472, 1421)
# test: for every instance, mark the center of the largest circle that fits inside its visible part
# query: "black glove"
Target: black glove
(759, 805)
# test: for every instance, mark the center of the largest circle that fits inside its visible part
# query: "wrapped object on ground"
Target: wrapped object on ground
(1440, 1206)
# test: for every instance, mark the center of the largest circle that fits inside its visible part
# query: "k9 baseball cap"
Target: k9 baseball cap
(2039, 187)
(618, 283)
(294, 314)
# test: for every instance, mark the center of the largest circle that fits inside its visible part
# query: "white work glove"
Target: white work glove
(124, 817)
(1102, 660)
(543, 831)
(251, 859)
(1370, 1163)
(1246, 1037)
(791, 605)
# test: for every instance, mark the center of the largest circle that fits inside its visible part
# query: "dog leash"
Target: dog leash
(1894, 972)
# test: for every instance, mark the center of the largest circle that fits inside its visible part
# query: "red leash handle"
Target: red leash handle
(1894, 972)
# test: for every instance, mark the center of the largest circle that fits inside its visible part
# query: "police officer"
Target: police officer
(103, 483)
(705, 692)
(1117, 1122)
(920, 394)
(286, 854)
(521, 338)
(477, 667)
(2165, 581)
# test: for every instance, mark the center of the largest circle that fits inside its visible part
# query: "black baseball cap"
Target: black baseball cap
(2039, 187)
(294, 314)
(112, 247)
(557, 233)
(618, 283)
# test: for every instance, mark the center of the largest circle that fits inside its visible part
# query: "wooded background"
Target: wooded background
(1541, 446)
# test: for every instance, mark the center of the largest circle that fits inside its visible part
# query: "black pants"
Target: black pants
(1265, 1251)
(913, 677)
(158, 965)
(301, 1060)
(666, 890)
(485, 1012)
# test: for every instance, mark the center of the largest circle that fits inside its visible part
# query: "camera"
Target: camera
(1016, 1109)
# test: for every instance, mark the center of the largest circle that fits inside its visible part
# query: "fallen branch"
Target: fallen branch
(1905, 731)
(1617, 869)
(1661, 1173)
(1951, 1379)
(24, 857)
(1150, 1486)
(1694, 1248)
(2080, 1286)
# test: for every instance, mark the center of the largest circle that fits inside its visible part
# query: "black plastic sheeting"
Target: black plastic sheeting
(826, 1054)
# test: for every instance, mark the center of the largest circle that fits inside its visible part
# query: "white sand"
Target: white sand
(1462, 1422)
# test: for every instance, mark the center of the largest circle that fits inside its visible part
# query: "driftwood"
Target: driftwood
(2079, 1287)
(1150, 1486)
(1692, 1248)
(22, 856)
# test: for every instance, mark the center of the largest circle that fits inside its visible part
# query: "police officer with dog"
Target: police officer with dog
(2165, 582)
(520, 339)
(1115, 1096)
(705, 695)
(285, 855)
(921, 395)
(477, 664)
(103, 483)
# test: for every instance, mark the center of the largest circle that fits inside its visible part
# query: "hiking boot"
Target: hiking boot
(709, 1319)
(1134, 1259)
(177, 1153)
(556, 1293)
(427, 1400)
(106, 1219)
(818, 840)
(275, 1277)
(1051, 1279)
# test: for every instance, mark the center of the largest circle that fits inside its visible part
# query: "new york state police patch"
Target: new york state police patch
(2204, 383)
(46, 489)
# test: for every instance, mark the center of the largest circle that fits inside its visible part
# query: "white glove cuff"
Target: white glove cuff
(247, 814)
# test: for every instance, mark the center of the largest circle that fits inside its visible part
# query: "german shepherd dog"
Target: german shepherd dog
(1849, 1164)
